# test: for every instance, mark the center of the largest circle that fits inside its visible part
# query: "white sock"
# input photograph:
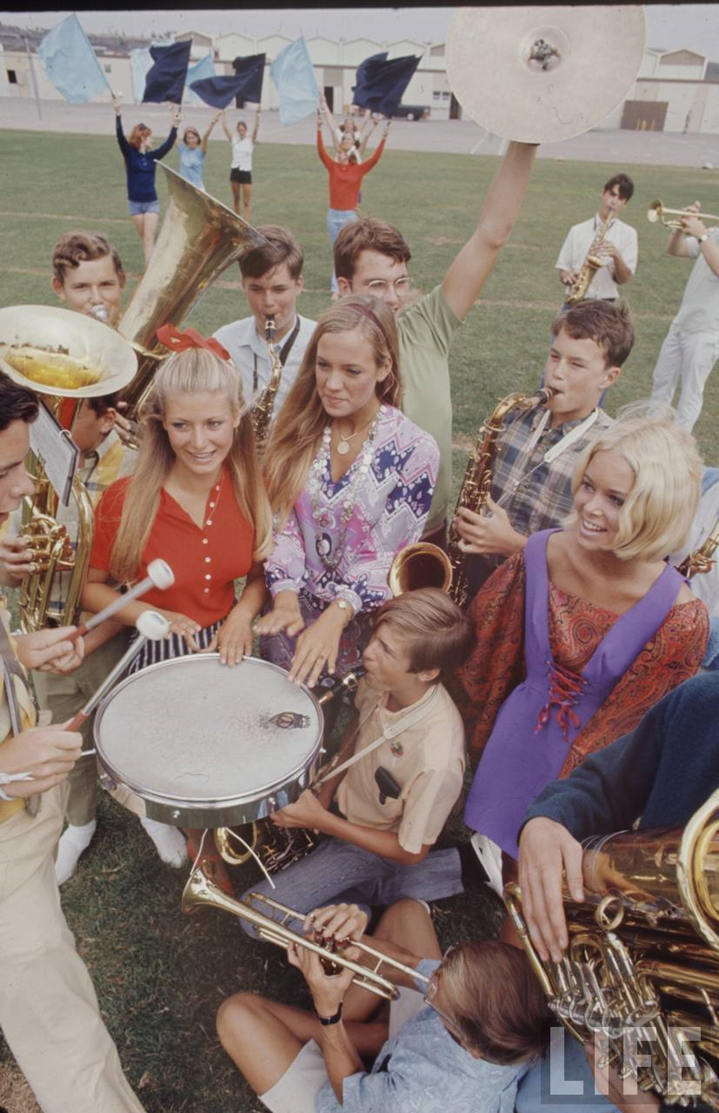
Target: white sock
(168, 841)
(72, 843)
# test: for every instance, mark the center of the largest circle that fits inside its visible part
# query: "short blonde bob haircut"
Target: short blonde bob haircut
(188, 372)
(297, 435)
(657, 515)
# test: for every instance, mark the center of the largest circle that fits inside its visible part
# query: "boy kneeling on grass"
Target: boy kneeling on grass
(390, 806)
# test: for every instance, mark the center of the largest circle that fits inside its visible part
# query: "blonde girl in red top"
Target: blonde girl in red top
(345, 182)
(197, 500)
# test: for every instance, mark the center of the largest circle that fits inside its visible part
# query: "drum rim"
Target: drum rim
(208, 802)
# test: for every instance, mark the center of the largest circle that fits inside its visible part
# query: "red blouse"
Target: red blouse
(206, 560)
(576, 626)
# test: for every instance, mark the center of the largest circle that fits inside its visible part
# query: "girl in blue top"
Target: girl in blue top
(141, 164)
(193, 149)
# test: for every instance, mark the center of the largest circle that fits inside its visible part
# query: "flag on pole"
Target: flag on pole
(381, 83)
(166, 79)
(140, 65)
(247, 83)
(70, 62)
(201, 70)
(294, 77)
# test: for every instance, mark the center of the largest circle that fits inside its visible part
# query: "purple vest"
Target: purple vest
(521, 757)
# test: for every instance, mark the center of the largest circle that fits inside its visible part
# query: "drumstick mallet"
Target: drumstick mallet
(152, 626)
(159, 575)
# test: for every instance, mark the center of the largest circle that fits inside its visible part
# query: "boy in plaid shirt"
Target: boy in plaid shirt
(538, 450)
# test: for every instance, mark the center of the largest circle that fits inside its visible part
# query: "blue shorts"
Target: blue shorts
(136, 208)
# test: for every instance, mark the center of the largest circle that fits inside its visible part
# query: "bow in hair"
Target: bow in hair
(178, 341)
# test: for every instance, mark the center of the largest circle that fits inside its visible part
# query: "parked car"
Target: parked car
(411, 112)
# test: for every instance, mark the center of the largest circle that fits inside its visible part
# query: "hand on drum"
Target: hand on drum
(233, 640)
(183, 626)
(16, 560)
(50, 650)
(306, 812)
(317, 648)
(285, 615)
(46, 753)
(491, 534)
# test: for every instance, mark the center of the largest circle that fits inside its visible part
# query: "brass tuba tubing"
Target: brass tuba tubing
(200, 890)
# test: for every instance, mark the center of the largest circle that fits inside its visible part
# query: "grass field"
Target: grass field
(160, 976)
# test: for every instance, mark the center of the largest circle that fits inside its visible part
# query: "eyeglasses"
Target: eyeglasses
(433, 986)
(379, 287)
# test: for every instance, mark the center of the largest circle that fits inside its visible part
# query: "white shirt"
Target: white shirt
(242, 153)
(248, 352)
(580, 239)
(699, 311)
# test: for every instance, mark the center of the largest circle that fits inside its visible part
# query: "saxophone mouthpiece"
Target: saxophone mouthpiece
(270, 330)
(544, 395)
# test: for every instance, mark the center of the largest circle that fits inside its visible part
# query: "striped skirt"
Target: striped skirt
(164, 649)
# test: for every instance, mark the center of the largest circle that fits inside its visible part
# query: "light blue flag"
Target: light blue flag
(70, 62)
(294, 78)
(202, 69)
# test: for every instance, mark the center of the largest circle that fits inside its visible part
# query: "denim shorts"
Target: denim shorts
(136, 208)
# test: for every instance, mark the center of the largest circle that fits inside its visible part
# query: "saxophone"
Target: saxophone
(264, 407)
(478, 478)
(590, 266)
(701, 559)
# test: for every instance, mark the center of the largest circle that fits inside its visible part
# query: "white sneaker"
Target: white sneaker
(169, 842)
(72, 843)
(490, 859)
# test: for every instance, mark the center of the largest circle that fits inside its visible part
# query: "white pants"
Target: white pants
(48, 1008)
(687, 357)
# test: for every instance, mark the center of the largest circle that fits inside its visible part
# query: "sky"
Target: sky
(668, 26)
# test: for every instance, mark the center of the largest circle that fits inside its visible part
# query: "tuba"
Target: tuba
(66, 357)
(198, 240)
(279, 847)
(264, 407)
(641, 973)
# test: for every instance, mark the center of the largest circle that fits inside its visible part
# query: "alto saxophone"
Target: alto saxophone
(702, 559)
(478, 478)
(590, 266)
(264, 408)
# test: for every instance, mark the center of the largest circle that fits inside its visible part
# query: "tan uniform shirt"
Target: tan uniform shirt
(27, 711)
(427, 760)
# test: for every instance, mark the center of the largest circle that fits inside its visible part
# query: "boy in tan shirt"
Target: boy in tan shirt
(392, 803)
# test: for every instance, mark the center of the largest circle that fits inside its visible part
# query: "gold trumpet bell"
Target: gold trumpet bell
(63, 353)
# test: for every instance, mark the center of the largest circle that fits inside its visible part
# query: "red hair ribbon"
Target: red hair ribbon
(178, 341)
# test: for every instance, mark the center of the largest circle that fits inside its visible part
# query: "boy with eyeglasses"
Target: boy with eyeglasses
(461, 1036)
(371, 257)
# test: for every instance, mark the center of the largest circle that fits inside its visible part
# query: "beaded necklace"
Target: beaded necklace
(323, 518)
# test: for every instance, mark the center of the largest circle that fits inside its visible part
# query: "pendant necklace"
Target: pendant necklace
(344, 445)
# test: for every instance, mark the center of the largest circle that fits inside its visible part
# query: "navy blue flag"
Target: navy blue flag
(381, 84)
(246, 85)
(166, 79)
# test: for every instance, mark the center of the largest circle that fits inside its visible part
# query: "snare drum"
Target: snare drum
(194, 743)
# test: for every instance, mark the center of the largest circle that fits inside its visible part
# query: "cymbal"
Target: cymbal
(538, 75)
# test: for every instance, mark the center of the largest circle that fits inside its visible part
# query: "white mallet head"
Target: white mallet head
(161, 574)
(152, 625)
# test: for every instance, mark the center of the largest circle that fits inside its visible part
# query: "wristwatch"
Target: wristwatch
(346, 608)
(325, 1021)
(703, 238)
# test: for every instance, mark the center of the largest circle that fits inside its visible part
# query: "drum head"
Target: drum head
(207, 743)
(538, 75)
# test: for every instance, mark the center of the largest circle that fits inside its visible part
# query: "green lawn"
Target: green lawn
(159, 975)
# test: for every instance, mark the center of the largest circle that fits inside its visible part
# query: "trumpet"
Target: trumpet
(200, 890)
(657, 212)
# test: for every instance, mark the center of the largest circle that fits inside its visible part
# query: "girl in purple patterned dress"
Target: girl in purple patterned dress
(350, 480)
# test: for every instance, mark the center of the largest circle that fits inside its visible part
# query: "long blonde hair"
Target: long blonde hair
(301, 421)
(188, 372)
(658, 511)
